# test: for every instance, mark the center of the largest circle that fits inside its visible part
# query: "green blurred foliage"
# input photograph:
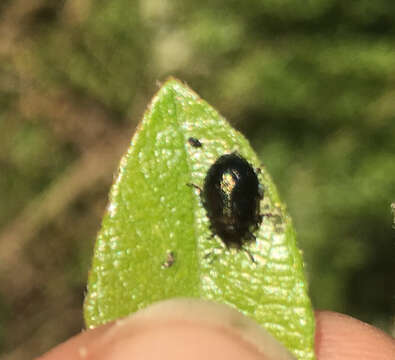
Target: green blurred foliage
(312, 86)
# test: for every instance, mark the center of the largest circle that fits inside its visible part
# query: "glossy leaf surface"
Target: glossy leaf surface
(155, 242)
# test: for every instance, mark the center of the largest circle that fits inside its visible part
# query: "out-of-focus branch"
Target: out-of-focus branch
(78, 120)
(96, 164)
(38, 341)
(11, 21)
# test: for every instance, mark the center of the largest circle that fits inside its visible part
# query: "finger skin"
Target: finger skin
(341, 337)
(175, 341)
(181, 328)
(73, 348)
(338, 337)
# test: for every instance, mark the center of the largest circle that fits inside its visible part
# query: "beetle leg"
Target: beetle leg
(249, 254)
(212, 254)
(196, 187)
(261, 216)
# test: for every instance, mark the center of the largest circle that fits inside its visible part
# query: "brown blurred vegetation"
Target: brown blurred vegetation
(312, 86)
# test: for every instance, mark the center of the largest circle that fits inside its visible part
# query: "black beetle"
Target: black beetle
(231, 196)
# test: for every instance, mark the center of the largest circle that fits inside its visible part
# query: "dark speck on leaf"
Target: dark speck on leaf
(194, 142)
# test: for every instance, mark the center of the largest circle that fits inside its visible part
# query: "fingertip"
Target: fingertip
(341, 337)
(75, 348)
(176, 329)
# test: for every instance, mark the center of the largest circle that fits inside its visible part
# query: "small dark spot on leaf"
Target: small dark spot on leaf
(194, 142)
(169, 260)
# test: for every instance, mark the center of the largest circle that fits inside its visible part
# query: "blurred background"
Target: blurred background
(312, 86)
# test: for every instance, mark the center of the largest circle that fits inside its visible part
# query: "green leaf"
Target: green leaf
(155, 242)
